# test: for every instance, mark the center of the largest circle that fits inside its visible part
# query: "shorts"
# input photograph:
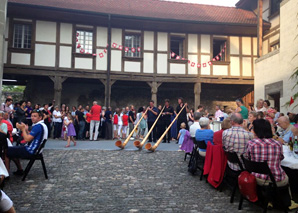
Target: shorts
(115, 127)
(18, 152)
(124, 129)
(5, 203)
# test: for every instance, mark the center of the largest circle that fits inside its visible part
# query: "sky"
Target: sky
(230, 3)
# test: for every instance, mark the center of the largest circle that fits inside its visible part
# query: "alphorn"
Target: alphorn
(119, 143)
(139, 144)
(151, 148)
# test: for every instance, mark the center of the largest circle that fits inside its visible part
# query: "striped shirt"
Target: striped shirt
(270, 150)
(234, 140)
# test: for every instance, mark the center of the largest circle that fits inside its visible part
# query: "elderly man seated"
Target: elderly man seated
(284, 129)
(204, 134)
(195, 126)
(235, 138)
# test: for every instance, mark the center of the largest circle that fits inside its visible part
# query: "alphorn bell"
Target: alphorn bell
(139, 144)
(119, 143)
(151, 148)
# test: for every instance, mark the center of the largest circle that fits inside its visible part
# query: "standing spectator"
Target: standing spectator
(120, 122)
(196, 125)
(284, 129)
(166, 118)
(95, 120)
(81, 123)
(71, 133)
(142, 125)
(124, 123)
(183, 115)
(131, 119)
(36, 107)
(21, 112)
(28, 113)
(190, 117)
(57, 120)
(269, 113)
(200, 109)
(87, 126)
(217, 137)
(47, 117)
(218, 113)
(87, 109)
(235, 138)
(6, 107)
(108, 121)
(152, 115)
(241, 108)
(260, 106)
(277, 114)
(115, 123)
(102, 125)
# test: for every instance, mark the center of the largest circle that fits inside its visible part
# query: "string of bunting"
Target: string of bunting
(138, 49)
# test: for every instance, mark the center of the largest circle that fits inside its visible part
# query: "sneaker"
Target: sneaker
(293, 205)
(131, 138)
(19, 172)
(179, 150)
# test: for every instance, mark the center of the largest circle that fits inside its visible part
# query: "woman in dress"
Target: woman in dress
(190, 118)
(71, 133)
(269, 113)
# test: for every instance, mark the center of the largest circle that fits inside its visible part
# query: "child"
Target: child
(70, 130)
(120, 123)
(181, 134)
(115, 123)
(125, 124)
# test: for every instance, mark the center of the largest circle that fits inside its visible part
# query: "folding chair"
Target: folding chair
(201, 145)
(37, 156)
(275, 192)
(231, 174)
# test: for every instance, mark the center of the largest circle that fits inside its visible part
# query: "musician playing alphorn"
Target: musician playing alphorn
(167, 113)
(151, 117)
(183, 116)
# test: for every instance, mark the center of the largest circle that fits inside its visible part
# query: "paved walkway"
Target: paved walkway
(87, 179)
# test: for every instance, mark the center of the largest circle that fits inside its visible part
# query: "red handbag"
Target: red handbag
(248, 186)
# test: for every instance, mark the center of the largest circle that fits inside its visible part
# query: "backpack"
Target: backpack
(248, 186)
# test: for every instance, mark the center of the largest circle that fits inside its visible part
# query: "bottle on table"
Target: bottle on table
(291, 143)
(295, 147)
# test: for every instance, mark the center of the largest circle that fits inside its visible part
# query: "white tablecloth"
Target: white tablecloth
(289, 161)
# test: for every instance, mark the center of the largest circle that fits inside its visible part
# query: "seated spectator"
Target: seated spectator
(217, 137)
(260, 115)
(235, 138)
(251, 117)
(38, 133)
(284, 129)
(265, 148)
(195, 126)
(3, 134)
(204, 134)
(296, 121)
(9, 125)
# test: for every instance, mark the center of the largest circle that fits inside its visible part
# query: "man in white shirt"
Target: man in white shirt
(218, 113)
(57, 120)
(193, 128)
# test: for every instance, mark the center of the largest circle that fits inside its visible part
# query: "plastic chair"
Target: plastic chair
(37, 156)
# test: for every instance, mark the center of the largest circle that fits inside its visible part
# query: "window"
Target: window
(22, 36)
(218, 47)
(133, 42)
(274, 6)
(274, 46)
(84, 41)
(177, 47)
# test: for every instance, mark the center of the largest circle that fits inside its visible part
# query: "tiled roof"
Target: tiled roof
(155, 9)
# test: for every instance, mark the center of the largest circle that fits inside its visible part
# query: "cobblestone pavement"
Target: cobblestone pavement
(116, 181)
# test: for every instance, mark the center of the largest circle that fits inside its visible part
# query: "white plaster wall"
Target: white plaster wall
(66, 33)
(205, 70)
(45, 31)
(234, 43)
(45, 55)
(148, 40)
(177, 68)
(65, 57)
(280, 66)
(235, 66)
(246, 45)
(5, 52)
(116, 36)
(220, 70)
(131, 66)
(205, 43)
(116, 60)
(255, 46)
(102, 36)
(162, 41)
(83, 63)
(246, 66)
(101, 63)
(148, 63)
(20, 58)
(274, 38)
(162, 65)
(192, 70)
(6, 27)
(192, 43)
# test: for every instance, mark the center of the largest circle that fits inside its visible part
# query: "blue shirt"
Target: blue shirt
(286, 135)
(204, 135)
(37, 133)
(151, 116)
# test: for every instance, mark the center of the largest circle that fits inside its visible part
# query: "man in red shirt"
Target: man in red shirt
(95, 120)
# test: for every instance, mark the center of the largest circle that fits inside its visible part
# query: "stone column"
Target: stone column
(57, 88)
(3, 7)
(197, 92)
(154, 89)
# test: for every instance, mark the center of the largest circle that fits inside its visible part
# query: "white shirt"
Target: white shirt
(57, 120)
(193, 128)
(263, 109)
(218, 114)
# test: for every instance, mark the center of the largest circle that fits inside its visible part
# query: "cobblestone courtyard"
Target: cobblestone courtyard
(116, 181)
